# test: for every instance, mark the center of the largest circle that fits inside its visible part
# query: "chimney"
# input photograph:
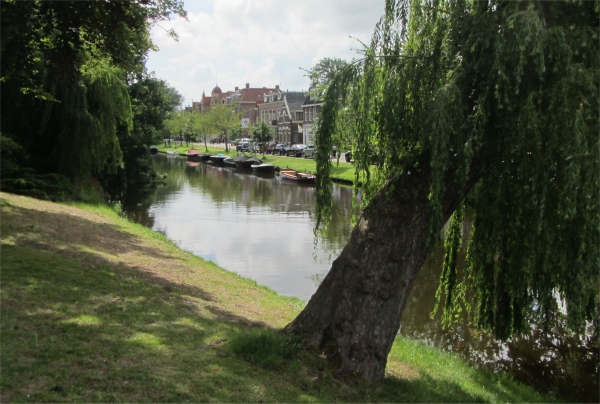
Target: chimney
(247, 85)
(236, 88)
(277, 86)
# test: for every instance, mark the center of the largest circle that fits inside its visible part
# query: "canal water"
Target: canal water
(262, 228)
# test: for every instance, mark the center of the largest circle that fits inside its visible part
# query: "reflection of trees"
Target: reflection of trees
(228, 185)
(173, 168)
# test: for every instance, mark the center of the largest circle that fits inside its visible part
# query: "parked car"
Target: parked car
(243, 147)
(256, 148)
(296, 150)
(269, 148)
(280, 148)
(309, 152)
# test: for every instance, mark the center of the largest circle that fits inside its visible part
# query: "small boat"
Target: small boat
(153, 151)
(193, 154)
(218, 159)
(171, 153)
(297, 176)
(245, 163)
(229, 162)
(204, 157)
(263, 168)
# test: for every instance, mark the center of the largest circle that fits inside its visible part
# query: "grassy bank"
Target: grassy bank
(97, 309)
(342, 171)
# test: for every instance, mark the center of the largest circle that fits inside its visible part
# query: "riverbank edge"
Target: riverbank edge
(57, 245)
(295, 163)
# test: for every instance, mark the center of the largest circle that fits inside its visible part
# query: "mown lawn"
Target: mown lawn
(97, 309)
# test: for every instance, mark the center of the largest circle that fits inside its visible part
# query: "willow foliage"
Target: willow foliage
(498, 100)
(90, 115)
(64, 70)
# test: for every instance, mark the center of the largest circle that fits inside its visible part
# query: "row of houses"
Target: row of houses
(290, 113)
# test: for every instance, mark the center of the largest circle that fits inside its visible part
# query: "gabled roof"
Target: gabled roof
(245, 95)
(311, 100)
(254, 95)
(295, 99)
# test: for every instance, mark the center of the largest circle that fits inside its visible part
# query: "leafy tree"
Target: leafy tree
(321, 76)
(236, 133)
(494, 100)
(323, 72)
(151, 102)
(64, 70)
(262, 133)
(178, 124)
(222, 118)
(200, 126)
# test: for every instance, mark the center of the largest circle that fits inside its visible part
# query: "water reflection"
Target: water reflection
(552, 359)
(262, 228)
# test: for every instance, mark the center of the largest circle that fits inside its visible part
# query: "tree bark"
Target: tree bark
(354, 315)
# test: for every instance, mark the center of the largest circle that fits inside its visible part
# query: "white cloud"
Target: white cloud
(261, 42)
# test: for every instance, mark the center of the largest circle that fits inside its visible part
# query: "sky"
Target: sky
(260, 42)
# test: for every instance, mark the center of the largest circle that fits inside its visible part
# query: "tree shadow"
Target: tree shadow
(71, 230)
(100, 331)
(78, 326)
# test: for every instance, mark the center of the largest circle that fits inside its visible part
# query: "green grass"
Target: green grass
(266, 348)
(97, 309)
(342, 171)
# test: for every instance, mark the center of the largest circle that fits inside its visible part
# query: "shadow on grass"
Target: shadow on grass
(80, 327)
(105, 334)
(72, 230)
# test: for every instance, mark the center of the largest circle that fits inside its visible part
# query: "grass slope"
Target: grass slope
(97, 309)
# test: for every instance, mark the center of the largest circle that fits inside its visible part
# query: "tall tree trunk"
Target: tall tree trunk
(354, 315)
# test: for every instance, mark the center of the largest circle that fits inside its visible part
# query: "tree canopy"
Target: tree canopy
(262, 133)
(65, 70)
(152, 99)
(323, 72)
(221, 118)
(496, 101)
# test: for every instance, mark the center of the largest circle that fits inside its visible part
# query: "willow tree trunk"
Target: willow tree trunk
(354, 315)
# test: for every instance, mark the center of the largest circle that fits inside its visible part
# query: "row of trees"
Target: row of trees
(219, 121)
(77, 104)
(222, 121)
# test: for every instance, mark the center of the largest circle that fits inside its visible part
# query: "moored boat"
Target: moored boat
(297, 176)
(192, 154)
(263, 168)
(229, 162)
(218, 159)
(245, 163)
